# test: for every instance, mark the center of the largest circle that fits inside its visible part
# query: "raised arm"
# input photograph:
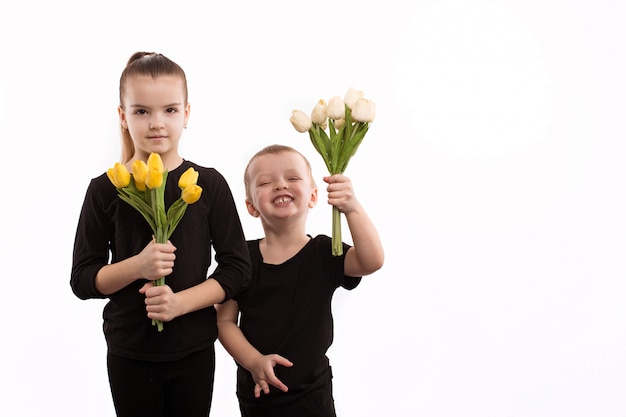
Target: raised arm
(367, 254)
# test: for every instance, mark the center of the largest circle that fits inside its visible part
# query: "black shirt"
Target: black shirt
(287, 311)
(109, 228)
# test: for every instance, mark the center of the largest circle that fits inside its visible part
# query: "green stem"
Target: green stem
(160, 238)
(337, 244)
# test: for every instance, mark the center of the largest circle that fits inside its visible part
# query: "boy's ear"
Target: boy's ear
(251, 209)
(313, 200)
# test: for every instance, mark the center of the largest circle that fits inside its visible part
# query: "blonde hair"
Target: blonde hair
(153, 65)
(274, 150)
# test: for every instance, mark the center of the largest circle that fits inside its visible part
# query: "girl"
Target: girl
(151, 373)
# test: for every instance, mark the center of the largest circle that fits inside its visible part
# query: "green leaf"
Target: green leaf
(175, 215)
(146, 215)
(320, 141)
(138, 201)
(350, 150)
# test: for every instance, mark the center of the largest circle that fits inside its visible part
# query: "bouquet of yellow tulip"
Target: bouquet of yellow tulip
(347, 121)
(145, 189)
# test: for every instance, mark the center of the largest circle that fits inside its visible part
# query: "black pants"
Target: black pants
(318, 403)
(182, 388)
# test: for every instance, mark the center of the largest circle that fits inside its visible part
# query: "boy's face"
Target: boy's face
(281, 187)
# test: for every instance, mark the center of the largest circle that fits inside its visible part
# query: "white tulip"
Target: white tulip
(336, 108)
(364, 111)
(318, 115)
(301, 121)
(352, 96)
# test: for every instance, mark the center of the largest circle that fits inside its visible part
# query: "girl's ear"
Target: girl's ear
(251, 209)
(122, 114)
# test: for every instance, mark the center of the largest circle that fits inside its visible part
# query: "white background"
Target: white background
(494, 171)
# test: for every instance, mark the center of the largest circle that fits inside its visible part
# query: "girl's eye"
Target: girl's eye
(141, 111)
(171, 110)
(294, 178)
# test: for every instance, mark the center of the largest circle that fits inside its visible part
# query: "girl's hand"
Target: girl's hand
(157, 260)
(340, 193)
(161, 302)
(264, 376)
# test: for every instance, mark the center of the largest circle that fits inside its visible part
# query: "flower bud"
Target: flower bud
(318, 115)
(336, 108)
(301, 121)
(188, 178)
(352, 96)
(364, 111)
(154, 178)
(140, 170)
(155, 162)
(339, 123)
(191, 194)
(119, 175)
(154, 175)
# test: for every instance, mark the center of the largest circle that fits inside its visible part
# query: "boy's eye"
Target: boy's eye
(171, 110)
(140, 111)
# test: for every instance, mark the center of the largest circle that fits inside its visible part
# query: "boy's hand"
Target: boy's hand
(264, 376)
(340, 193)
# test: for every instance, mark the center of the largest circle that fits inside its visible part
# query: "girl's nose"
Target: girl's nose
(156, 123)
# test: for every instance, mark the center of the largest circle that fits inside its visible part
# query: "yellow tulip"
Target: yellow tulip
(119, 175)
(188, 178)
(140, 170)
(336, 108)
(364, 111)
(154, 175)
(154, 178)
(191, 194)
(301, 121)
(155, 162)
(352, 96)
(318, 115)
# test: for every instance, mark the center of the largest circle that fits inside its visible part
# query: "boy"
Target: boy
(286, 315)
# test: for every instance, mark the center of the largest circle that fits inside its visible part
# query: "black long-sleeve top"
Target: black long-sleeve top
(110, 230)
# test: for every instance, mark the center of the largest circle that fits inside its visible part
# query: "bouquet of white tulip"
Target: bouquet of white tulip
(347, 121)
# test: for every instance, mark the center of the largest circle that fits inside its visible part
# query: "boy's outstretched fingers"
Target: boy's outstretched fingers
(267, 377)
(272, 379)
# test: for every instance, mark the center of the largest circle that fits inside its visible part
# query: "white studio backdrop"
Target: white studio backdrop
(494, 172)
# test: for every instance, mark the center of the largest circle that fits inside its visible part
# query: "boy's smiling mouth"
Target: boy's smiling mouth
(283, 200)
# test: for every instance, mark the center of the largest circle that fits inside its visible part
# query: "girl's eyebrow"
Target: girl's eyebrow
(167, 105)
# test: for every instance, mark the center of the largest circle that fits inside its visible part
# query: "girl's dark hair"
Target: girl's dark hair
(141, 64)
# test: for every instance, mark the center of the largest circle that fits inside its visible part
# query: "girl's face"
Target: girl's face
(154, 112)
(281, 187)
